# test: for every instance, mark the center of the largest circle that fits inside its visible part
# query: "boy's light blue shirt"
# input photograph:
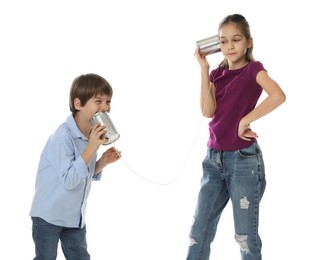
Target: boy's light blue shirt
(63, 179)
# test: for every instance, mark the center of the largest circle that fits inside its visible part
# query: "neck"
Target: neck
(84, 126)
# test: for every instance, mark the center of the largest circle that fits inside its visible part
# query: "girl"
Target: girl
(233, 167)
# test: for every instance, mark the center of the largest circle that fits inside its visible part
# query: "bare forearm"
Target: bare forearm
(98, 168)
(265, 107)
(207, 97)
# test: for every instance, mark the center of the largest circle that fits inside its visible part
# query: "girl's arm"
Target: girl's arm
(207, 96)
(275, 98)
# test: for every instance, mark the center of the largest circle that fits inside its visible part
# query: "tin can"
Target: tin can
(112, 135)
(209, 45)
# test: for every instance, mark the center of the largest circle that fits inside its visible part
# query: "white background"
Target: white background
(142, 209)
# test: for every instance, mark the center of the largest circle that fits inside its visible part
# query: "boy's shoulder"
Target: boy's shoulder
(61, 132)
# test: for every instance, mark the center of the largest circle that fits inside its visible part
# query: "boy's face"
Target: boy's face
(98, 103)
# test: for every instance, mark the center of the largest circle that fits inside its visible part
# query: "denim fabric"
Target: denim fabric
(46, 237)
(239, 176)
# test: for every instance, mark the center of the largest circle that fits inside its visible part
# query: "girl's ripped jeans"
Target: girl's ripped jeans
(239, 176)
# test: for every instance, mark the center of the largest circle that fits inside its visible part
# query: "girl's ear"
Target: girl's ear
(77, 103)
(250, 42)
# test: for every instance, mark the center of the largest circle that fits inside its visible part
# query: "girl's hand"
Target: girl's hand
(245, 133)
(201, 58)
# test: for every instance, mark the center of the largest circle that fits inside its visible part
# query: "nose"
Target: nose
(230, 46)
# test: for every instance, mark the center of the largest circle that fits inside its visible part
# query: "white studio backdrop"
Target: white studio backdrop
(142, 209)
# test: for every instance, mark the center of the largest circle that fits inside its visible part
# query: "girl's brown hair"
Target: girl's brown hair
(245, 27)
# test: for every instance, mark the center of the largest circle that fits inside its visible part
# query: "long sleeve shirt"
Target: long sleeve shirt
(63, 180)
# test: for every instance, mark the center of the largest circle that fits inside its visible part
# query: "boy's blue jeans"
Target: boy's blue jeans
(47, 236)
(239, 176)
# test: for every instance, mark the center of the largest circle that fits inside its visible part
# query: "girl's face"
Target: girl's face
(234, 45)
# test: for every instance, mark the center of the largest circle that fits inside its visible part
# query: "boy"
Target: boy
(66, 169)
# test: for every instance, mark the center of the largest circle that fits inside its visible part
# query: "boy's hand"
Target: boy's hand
(109, 156)
(97, 135)
(94, 142)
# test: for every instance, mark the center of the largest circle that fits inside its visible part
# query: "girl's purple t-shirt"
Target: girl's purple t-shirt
(237, 93)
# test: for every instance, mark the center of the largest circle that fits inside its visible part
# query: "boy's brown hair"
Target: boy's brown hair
(87, 86)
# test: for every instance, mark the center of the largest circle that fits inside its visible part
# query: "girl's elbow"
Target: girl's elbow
(209, 111)
(278, 97)
(281, 98)
(208, 114)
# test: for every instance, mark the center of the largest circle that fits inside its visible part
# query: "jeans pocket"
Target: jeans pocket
(249, 152)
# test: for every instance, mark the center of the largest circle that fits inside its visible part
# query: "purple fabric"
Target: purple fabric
(237, 93)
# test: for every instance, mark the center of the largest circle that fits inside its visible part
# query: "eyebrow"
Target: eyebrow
(233, 35)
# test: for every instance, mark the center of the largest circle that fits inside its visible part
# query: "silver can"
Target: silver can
(112, 135)
(209, 45)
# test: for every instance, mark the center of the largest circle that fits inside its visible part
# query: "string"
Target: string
(186, 159)
(179, 173)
